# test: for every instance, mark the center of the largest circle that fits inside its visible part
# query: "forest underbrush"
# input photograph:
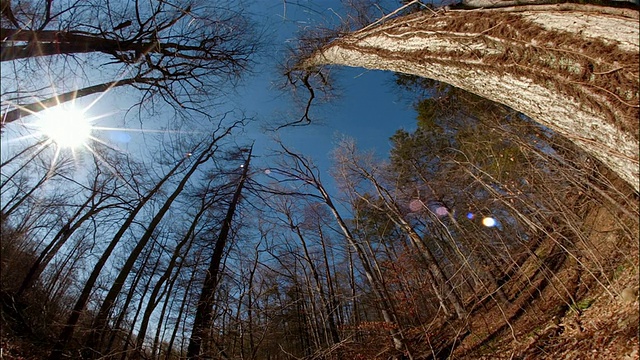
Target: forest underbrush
(567, 290)
(576, 307)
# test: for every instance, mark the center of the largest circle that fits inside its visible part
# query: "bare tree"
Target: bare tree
(202, 319)
(101, 193)
(318, 286)
(170, 50)
(350, 167)
(107, 304)
(302, 170)
(207, 199)
(82, 300)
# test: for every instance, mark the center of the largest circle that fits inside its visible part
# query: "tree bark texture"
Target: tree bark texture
(572, 68)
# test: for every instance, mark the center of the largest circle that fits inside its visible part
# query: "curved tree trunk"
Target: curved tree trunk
(572, 68)
(23, 110)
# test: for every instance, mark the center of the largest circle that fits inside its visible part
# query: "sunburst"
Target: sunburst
(66, 126)
(69, 127)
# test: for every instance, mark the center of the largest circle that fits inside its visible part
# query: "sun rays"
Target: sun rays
(71, 128)
(66, 126)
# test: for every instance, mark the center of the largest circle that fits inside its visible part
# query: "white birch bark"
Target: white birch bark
(572, 68)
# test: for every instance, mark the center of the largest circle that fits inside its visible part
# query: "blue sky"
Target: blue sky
(367, 105)
(367, 109)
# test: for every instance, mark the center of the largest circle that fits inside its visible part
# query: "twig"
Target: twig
(607, 91)
(389, 15)
(304, 120)
(489, 29)
(609, 72)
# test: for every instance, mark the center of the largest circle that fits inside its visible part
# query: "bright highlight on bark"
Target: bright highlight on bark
(67, 127)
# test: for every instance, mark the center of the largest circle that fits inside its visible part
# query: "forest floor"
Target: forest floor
(600, 321)
(565, 304)
(598, 326)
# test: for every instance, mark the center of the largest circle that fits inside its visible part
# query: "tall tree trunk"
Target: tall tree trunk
(306, 174)
(103, 315)
(123, 312)
(332, 302)
(53, 42)
(7, 180)
(436, 276)
(163, 322)
(205, 303)
(153, 300)
(61, 238)
(6, 212)
(32, 151)
(319, 287)
(573, 68)
(69, 328)
(60, 282)
(253, 348)
(386, 307)
(355, 315)
(181, 310)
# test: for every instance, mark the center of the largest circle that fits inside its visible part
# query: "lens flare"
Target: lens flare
(442, 211)
(415, 205)
(489, 222)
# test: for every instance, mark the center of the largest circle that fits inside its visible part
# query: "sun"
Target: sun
(66, 126)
